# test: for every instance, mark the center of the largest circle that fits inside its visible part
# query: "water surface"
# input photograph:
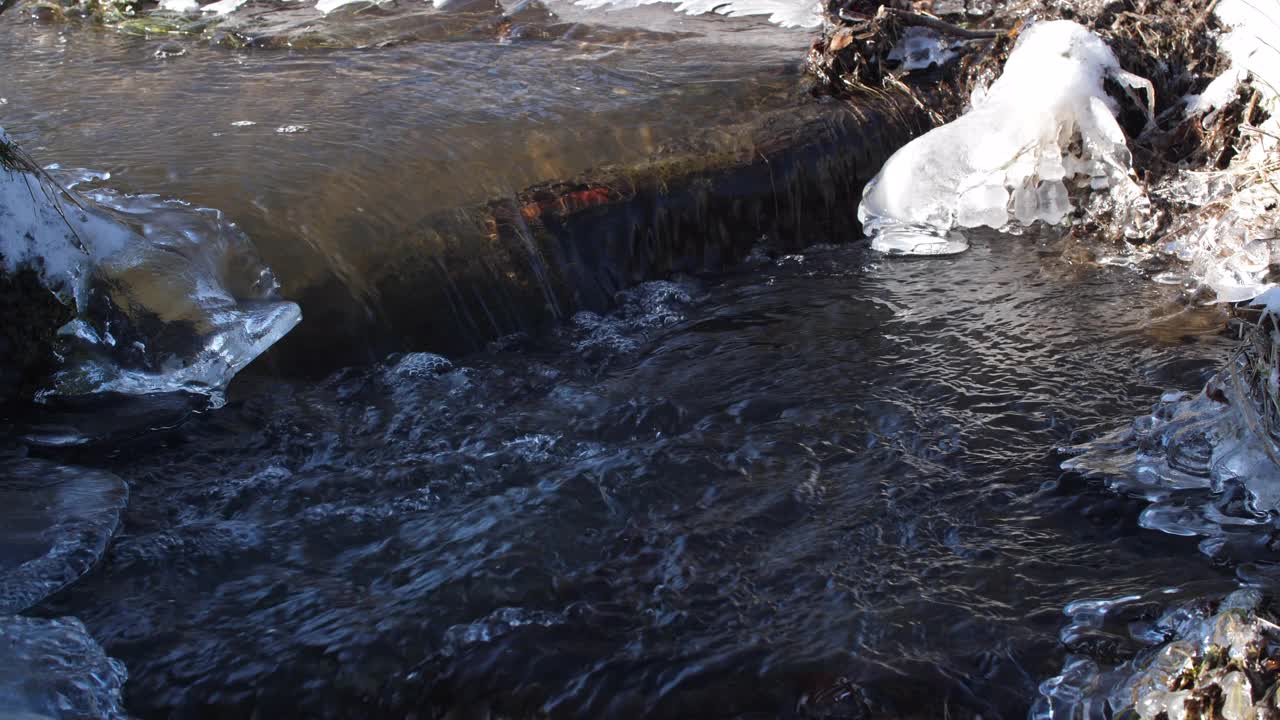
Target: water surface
(824, 486)
(331, 158)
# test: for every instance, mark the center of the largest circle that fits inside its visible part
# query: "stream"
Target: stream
(818, 485)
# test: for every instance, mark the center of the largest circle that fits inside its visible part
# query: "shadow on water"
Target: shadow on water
(822, 486)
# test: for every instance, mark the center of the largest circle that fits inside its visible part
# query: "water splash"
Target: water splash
(640, 312)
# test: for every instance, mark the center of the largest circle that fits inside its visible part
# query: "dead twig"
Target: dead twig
(1203, 18)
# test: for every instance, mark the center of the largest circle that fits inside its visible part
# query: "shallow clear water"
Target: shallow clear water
(824, 486)
(332, 160)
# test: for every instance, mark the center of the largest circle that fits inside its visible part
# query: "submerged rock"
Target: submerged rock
(54, 669)
(58, 521)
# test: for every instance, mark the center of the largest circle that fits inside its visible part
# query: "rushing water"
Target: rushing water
(332, 160)
(817, 486)
(824, 486)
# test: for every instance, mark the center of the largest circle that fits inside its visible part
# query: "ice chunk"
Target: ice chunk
(54, 669)
(983, 205)
(45, 228)
(1188, 664)
(1237, 701)
(1196, 457)
(167, 297)
(1269, 300)
(58, 521)
(1053, 201)
(919, 48)
(1005, 160)
(1228, 241)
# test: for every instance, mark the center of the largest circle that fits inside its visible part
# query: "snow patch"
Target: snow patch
(787, 13)
(180, 6)
(223, 7)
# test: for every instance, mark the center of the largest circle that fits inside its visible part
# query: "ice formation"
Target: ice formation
(42, 227)
(1197, 658)
(58, 522)
(54, 669)
(919, 48)
(1227, 236)
(787, 13)
(167, 297)
(1200, 461)
(1045, 124)
(1209, 463)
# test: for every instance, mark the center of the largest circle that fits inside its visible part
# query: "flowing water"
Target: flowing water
(333, 159)
(820, 485)
(824, 486)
